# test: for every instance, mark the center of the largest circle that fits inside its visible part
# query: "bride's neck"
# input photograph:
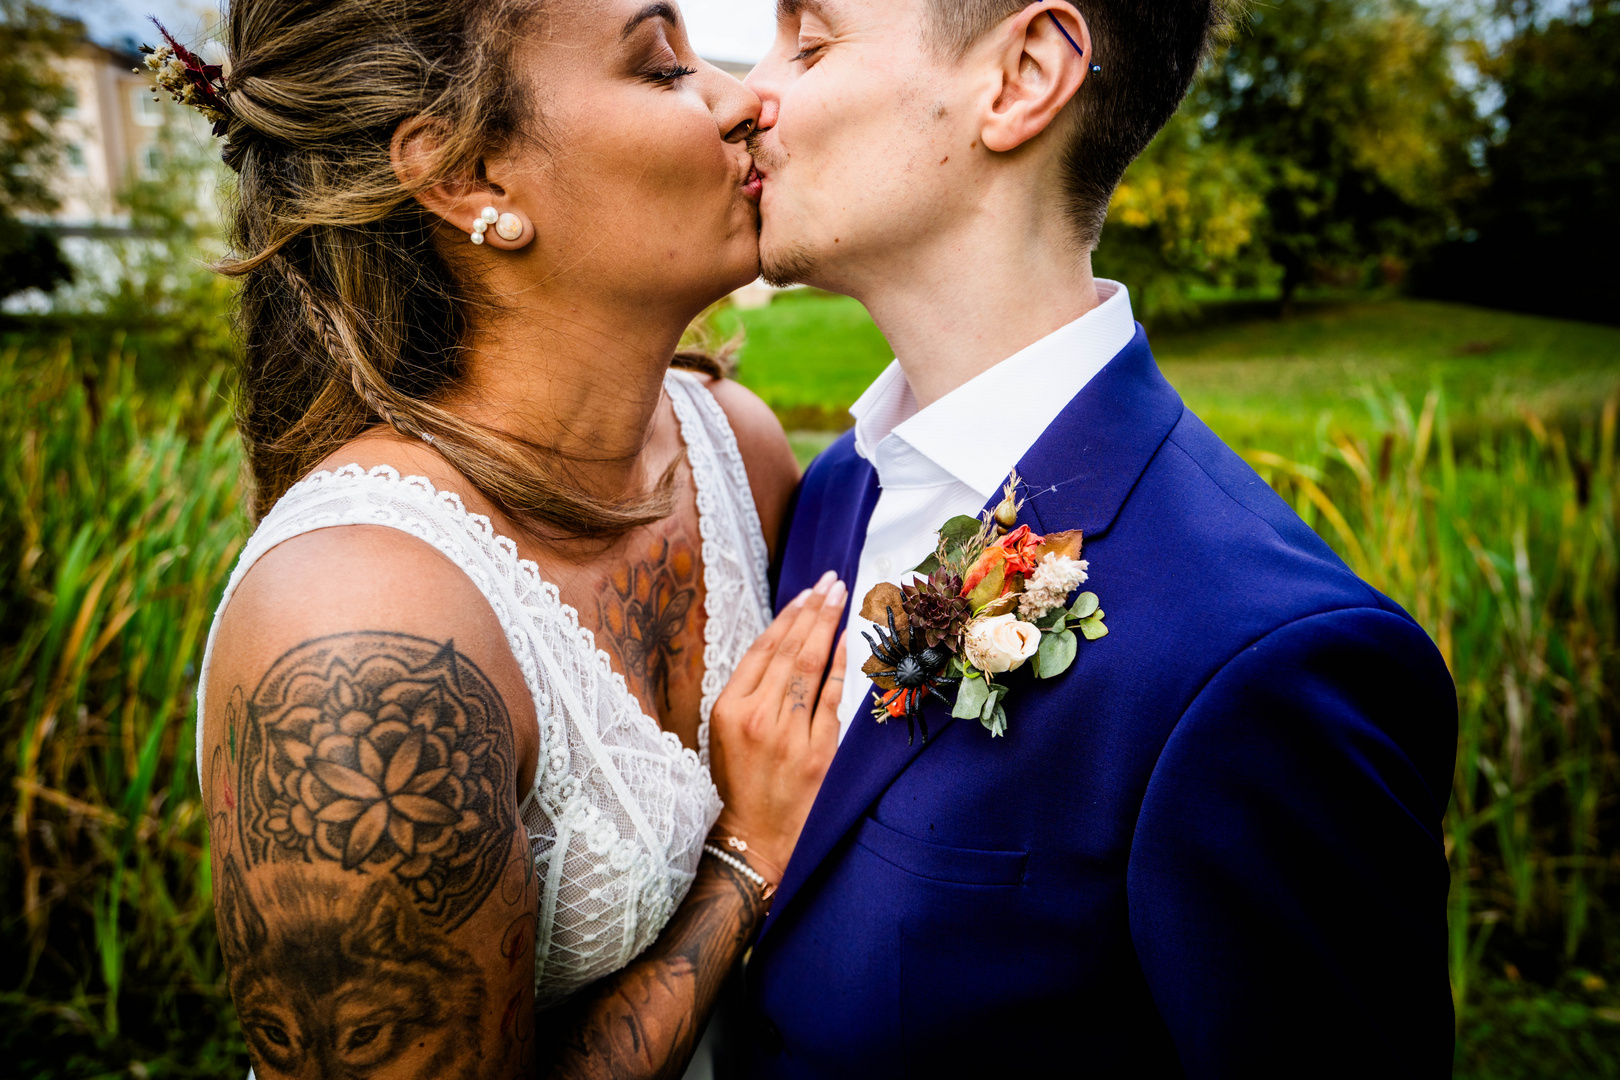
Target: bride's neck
(583, 382)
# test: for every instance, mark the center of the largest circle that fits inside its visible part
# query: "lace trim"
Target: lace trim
(503, 550)
(728, 456)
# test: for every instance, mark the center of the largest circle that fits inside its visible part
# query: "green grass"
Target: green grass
(809, 355)
(1252, 379)
(1489, 510)
(1256, 380)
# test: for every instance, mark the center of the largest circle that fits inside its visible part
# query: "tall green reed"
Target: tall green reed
(1505, 551)
(120, 520)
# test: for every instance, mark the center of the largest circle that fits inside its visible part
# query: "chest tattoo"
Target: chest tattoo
(646, 609)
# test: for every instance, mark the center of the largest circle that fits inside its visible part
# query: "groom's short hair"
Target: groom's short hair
(1149, 51)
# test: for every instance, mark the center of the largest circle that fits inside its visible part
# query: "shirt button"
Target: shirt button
(883, 565)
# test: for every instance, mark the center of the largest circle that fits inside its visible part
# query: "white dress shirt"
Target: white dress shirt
(948, 459)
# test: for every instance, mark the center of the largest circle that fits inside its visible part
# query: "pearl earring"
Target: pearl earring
(481, 226)
(509, 227)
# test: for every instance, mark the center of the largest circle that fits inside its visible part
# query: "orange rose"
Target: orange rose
(1020, 545)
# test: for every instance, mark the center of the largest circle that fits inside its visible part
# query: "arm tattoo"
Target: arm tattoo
(646, 608)
(374, 812)
(645, 1020)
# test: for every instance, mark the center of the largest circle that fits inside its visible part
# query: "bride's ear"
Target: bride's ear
(477, 209)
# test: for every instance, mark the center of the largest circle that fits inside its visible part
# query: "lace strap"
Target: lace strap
(735, 562)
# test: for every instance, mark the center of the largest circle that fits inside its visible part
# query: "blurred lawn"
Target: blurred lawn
(1255, 379)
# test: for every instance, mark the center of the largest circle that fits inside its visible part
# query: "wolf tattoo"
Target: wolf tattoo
(341, 982)
(373, 813)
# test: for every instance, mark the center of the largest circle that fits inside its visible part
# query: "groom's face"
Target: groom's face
(860, 118)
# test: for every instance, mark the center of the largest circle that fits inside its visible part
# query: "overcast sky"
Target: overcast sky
(721, 29)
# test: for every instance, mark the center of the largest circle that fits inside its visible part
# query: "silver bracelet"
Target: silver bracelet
(766, 889)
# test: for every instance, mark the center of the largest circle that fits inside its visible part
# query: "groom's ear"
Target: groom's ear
(1037, 70)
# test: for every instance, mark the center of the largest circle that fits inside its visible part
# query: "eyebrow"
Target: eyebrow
(786, 9)
(659, 10)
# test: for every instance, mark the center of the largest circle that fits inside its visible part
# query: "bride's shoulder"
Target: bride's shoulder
(773, 472)
(362, 579)
(368, 587)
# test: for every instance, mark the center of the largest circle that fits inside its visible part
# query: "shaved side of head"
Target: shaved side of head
(1148, 51)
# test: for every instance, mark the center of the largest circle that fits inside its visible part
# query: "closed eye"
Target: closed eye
(669, 75)
(806, 52)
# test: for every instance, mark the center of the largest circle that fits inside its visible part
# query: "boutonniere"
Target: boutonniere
(992, 599)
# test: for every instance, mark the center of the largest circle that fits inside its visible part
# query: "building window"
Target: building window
(70, 102)
(74, 153)
(152, 161)
(148, 113)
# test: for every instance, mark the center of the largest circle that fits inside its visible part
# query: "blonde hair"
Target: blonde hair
(348, 314)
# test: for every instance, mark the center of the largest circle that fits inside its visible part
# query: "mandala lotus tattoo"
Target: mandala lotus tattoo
(387, 754)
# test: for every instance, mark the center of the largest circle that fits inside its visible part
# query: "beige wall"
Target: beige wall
(111, 133)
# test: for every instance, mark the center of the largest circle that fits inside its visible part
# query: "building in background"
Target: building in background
(114, 133)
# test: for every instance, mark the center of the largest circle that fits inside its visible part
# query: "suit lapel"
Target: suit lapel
(1078, 475)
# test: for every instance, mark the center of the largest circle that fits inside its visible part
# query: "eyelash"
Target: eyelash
(806, 53)
(669, 75)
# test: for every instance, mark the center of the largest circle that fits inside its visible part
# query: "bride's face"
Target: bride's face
(634, 169)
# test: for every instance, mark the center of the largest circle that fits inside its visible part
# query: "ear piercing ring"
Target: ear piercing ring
(481, 226)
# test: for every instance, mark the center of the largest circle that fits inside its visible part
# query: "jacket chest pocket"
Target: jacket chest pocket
(937, 862)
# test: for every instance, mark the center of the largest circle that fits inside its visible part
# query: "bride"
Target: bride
(498, 650)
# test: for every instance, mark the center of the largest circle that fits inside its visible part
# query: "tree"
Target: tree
(33, 98)
(1542, 236)
(1355, 109)
(1187, 213)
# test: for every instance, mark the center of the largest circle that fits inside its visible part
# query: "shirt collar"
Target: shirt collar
(1006, 408)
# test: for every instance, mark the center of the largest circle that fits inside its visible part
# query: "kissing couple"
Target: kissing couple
(547, 698)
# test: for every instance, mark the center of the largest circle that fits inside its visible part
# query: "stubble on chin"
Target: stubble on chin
(780, 265)
(789, 266)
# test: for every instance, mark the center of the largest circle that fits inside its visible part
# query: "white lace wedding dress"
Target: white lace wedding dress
(619, 808)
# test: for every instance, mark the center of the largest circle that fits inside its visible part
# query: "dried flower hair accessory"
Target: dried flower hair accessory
(993, 598)
(188, 80)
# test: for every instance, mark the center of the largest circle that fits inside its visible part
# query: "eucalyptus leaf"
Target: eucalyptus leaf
(927, 567)
(1050, 622)
(1085, 606)
(971, 695)
(996, 723)
(992, 704)
(958, 531)
(1056, 654)
(1093, 627)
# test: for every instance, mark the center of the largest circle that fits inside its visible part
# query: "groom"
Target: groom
(1213, 847)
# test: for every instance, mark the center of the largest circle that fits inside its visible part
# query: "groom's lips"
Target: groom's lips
(754, 184)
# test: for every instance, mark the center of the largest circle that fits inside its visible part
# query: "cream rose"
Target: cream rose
(1001, 643)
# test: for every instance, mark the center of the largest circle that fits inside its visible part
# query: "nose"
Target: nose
(762, 83)
(738, 112)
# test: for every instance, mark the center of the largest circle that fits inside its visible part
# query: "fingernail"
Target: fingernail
(826, 579)
(835, 595)
(801, 598)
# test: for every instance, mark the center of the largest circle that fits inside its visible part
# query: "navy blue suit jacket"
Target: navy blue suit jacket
(1212, 848)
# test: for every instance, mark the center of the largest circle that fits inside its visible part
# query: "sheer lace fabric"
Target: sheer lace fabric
(619, 808)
